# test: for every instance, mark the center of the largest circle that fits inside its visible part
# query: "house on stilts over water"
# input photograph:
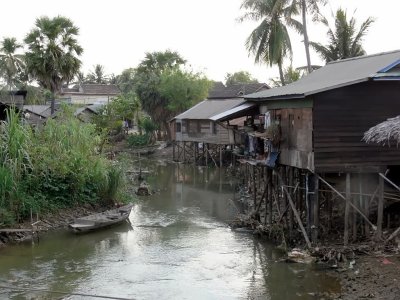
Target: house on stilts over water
(301, 151)
(202, 135)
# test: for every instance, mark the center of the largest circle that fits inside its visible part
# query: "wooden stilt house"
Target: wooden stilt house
(199, 133)
(322, 119)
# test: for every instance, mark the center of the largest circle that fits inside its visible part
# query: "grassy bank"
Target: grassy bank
(52, 167)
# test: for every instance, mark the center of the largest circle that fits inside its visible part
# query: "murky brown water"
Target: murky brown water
(178, 246)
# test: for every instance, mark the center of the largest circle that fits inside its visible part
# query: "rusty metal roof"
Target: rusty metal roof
(334, 75)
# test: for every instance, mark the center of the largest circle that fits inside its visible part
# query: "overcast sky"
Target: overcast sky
(117, 34)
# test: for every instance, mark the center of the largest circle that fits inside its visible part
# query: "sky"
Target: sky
(117, 34)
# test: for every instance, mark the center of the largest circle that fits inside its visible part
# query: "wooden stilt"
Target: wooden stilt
(254, 189)
(380, 208)
(206, 150)
(184, 152)
(271, 173)
(297, 217)
(347, 210)
(220, 155)
(315, 210)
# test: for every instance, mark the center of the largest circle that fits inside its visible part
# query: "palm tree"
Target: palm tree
(52, 58)
(97, 75)
(344, 39)
(270, 40)
(11, 63)
(310, 6)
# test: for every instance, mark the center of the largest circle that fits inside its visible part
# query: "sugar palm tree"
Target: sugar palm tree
(344, 39)
(11, 63)
(270, 40)
(53, 53)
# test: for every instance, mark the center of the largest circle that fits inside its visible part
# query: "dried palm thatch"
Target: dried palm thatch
(385, 133)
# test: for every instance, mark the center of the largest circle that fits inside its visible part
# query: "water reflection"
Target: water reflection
(178, 246)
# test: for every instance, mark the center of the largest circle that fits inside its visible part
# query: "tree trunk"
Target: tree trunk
(281, 73)
(168, 131)
(306, 42)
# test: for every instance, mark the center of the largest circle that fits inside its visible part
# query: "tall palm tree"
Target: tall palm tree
(311, 7)
(344, 39)
(11, 63)
(97, 75)
(53, 55)
(270, 40)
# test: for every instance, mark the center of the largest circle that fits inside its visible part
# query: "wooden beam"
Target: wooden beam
(297, 216)
(347, 210)
(380, 206)
(315, 210)
(351, 204)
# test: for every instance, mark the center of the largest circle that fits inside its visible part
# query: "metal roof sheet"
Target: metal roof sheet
(208, 108)
(334, 75)
(232, 111)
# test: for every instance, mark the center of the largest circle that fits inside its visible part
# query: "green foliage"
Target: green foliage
(183, 89)
(126, 81)
(344, 39)
(138, 140)
(12, 64)
(239, 77)
(97, 75)
(289, 74)
(53, 51)
(55, 166)
(164, 88)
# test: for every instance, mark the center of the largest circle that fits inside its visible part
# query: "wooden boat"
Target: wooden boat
(101, 220)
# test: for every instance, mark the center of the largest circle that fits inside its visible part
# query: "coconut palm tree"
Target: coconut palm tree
(53, 53)
(11, 63)
(344, 39)
(97, 75)
(270, 40)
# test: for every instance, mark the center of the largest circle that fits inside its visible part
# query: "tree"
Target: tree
(290, 75)
(270, 40)
(345, 40)
(239, 77)
(97, 75)
(11, 63)
(53, 55)
(164, 88)
(126, 81)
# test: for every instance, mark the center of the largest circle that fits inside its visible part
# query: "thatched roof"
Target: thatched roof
(385, 133)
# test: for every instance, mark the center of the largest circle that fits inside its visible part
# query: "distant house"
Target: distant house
(8, 99)
(90, 93)
(204, 125)
(86, 113)
(36, 114)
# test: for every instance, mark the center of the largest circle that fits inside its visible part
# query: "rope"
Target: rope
(61, 293)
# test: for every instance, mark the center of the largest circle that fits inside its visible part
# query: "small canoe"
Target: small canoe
(101, 220)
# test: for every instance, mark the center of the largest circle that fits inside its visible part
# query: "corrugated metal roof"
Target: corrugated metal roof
(208, 108)
(334, 75)
(232, 111)
(236, 90)
(41, 110)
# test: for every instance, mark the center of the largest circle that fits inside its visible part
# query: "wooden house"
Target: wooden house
(322, 119)
(203, 123)
(323, 116)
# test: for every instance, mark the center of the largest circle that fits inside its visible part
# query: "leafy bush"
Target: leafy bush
(138, 140)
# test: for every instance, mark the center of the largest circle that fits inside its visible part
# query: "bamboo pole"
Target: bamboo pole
(297, 216)
(347, 210)
(380, 206)
(351, 204)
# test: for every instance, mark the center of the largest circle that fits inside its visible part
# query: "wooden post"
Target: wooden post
(173, 150)
(297, 217)
(347, 210)
(220, 156)
(315, 210)
(184, 152)
(380, 208)
(271, 173)
(254, 186)
(291, 183)
(206, 150)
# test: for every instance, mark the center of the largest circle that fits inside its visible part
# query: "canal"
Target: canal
(178, 245)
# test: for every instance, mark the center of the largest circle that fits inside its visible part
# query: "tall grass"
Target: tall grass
(56, 166)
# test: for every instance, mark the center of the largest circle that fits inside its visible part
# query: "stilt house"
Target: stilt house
(322, 119)
(199, 131)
